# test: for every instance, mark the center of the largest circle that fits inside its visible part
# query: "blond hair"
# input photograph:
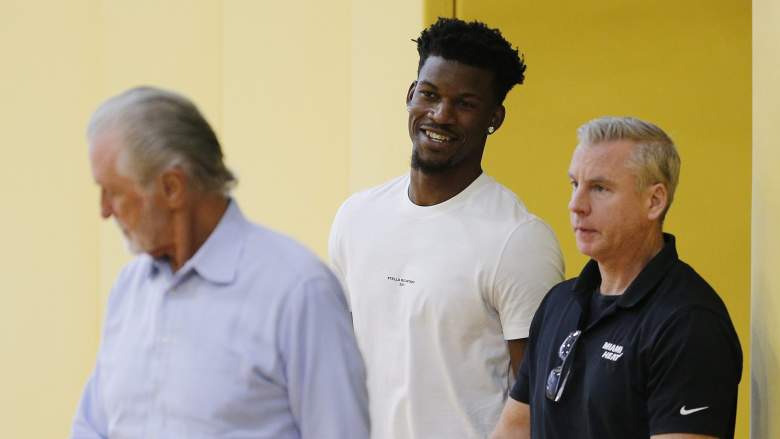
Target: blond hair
(654, 157)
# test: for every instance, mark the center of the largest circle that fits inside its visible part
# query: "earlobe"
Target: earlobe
(498, 118)
(659, 199)
(173, 184)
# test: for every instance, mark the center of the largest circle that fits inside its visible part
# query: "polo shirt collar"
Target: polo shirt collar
(655, 270)
(217, 259)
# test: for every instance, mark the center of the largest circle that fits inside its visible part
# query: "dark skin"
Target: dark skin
(455, 102)
(451, 107)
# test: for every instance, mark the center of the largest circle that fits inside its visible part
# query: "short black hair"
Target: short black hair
(475, 44)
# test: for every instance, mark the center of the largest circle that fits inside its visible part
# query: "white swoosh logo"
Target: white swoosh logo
(685, 412)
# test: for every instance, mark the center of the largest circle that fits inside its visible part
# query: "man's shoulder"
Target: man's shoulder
(264, 246)
(370, 205)
(560, 294)
(385, 192)
(684, 288)
(495, 201)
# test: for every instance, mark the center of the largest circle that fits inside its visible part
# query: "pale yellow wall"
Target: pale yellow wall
(384, 64)
(307, 98)
(683, 65)
(48, 270)
(765, 348)
(308, 101)
(286, 114)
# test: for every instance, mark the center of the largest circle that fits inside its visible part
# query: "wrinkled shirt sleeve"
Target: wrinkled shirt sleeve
(325, 372)
(90, 420)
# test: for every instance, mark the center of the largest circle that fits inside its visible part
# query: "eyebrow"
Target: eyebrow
(463, 95)
(599, 179)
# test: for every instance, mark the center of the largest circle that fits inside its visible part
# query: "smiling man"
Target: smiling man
(638, 346)
(444, 267)
(219, 328)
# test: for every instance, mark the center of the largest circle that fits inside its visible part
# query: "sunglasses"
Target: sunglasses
(556, 381)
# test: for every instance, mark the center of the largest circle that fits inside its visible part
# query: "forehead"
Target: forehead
(456, 77)
(104, 156)
(608, 159)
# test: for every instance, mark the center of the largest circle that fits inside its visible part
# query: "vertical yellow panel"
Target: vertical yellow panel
(49, 313)
(287, 111)
(433, 9)
(688, 71)
(384, 64)
(765, 348)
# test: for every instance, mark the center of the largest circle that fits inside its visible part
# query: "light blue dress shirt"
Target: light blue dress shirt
(251, 338)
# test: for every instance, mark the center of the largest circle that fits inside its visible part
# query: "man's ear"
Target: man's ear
(173, 187)
(410, 92)
(658, 199)
(498, 118)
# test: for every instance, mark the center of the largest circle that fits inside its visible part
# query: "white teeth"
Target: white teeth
(437, 137)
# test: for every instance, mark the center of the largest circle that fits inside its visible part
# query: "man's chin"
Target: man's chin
(429, 166)
(133, 247)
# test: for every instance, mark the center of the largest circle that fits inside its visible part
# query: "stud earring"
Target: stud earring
(491, 130)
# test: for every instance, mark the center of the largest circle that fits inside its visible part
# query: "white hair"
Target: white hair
(160, 129)
(654, 157)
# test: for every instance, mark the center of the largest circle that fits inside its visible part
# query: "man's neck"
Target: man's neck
(618, 273)
(193, 226)
(434, 188)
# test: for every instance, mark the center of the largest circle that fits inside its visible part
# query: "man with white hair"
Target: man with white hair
(220, 328)
(639, 345)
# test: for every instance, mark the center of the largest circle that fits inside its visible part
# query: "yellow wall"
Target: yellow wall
(49, 312)
(765, 348)
(683, 65)
(307, 97)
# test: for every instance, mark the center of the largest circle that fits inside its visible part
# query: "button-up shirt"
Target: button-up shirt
(250, 338)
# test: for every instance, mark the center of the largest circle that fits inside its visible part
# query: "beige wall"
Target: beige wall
(765, 348)
(307, 98)
(49, 312)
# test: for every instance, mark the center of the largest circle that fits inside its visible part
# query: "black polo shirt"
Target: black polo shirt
(664, 358)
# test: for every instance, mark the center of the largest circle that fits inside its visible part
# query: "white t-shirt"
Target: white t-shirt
(435, 292)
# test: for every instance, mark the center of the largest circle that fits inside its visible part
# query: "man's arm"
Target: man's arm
(702, 341)
(515, 422)
(516, 352)
(325, 374)
(530, 264)
(90, 420)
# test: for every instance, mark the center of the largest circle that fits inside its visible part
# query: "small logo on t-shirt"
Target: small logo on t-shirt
(612, 351)
(401, 281)
(686, 412)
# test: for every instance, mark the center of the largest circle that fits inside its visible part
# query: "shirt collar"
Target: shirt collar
(217, 259)
(655, 270)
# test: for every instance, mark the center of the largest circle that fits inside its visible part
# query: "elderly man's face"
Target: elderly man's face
(136, 211)
(609, 215)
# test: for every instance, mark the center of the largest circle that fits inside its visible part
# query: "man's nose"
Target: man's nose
(578, 203)
(442, 112)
